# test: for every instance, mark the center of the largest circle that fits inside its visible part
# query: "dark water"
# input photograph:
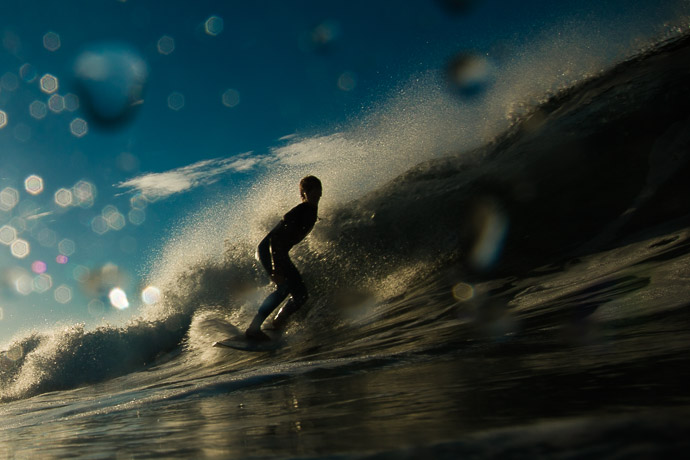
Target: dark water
(526, 299)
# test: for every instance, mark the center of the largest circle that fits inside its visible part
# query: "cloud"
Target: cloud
(155, 186)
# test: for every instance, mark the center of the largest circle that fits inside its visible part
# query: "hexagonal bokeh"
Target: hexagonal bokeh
(231, 98)
(20, 248)
(33, 184)
(51, 41)
(7, 234)
(66, 247)
(213, 25)
(79, 127)
(166, 45)
(63, 197)
(9, 197)
(49, 83)
(42, 283)
(38, 110)
(56, 103)
(63, 294)
(176, 100)
(3, 119)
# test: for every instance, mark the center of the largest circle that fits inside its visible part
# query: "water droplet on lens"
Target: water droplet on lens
(470, 74)
(111, 78)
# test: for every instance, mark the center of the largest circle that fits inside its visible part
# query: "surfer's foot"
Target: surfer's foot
(257, 336)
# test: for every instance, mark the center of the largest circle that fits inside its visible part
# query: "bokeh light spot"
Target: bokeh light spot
(79, 127)
(151, 295)
(231, 98)
(66, 247)
(38, 110)
(99, 225)
(7, 235)
(71, 102)
(9, 197)
(62, 259)
(63, 197)
(81, 273)
(42, 283)
(39, 267)
(20, 248)
(9, 81)
(136, 216)
(84, 193)
(56, 103)
(463, 292)
(118, 298)
(213, 25)
(51, 41)
(138, 201)
(23, 284)
(469, 74)
(3, 119)
(176, 101)
(347, 81)
(27, 72)
(49, 83)
(33, 184)
(96, 307)
(15, 353)
(166, 45)
(47, 237)
(114, 218)
(63, 294)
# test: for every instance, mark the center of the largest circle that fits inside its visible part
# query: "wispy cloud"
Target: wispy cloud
(161, 185)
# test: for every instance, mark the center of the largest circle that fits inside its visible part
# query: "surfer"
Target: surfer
(273, 255)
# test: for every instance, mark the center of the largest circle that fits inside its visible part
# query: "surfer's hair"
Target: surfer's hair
(309, 183)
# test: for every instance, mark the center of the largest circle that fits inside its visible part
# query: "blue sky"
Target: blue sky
(223, 83)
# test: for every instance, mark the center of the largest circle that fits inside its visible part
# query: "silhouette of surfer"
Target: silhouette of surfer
(273, 255)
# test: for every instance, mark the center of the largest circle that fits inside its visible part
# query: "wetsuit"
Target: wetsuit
(273, 255)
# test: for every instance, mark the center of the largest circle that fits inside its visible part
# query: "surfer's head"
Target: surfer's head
(310, 189)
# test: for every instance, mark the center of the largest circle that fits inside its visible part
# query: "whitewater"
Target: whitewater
(503, 275)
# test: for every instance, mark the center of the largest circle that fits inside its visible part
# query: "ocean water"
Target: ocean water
(525, 298)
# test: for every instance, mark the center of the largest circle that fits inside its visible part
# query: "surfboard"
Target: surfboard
(240, 342)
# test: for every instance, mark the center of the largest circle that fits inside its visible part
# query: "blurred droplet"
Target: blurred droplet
(81, 273)
(63, 197)
(39, 267)
(38, 110)
(84, 193)
(33, 184)
(136, 216)
(138, 201)
(3, 119)
(1, 314)
(66, 247)
(176, 100)
(23, 283)
(118, 298)
(213, 26)
(42, 283)
(63, 294)
(96, 307)
(7, 234)
(9, 81)
(166, 45)
(28, 73)
(491, 226)
(151, 295)
(61, 259)
(231, 98)
(127, 162)
(15, 353)
(99, 225)
(79, 127)
(111, 79)
(71, 102)
(113, 217)
(463, 292)
(56, 103)
(322, 37)
(51, 41)
(20, 248)
(470, 74)
(49, 83)
(347, 81)
(47, 238)
(9, 197)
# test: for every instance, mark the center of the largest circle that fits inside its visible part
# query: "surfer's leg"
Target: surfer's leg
(267, 307)
(299, 296)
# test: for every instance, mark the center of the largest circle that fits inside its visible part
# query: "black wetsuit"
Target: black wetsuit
(273, 255)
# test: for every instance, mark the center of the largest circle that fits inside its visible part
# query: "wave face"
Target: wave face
(590, 165)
